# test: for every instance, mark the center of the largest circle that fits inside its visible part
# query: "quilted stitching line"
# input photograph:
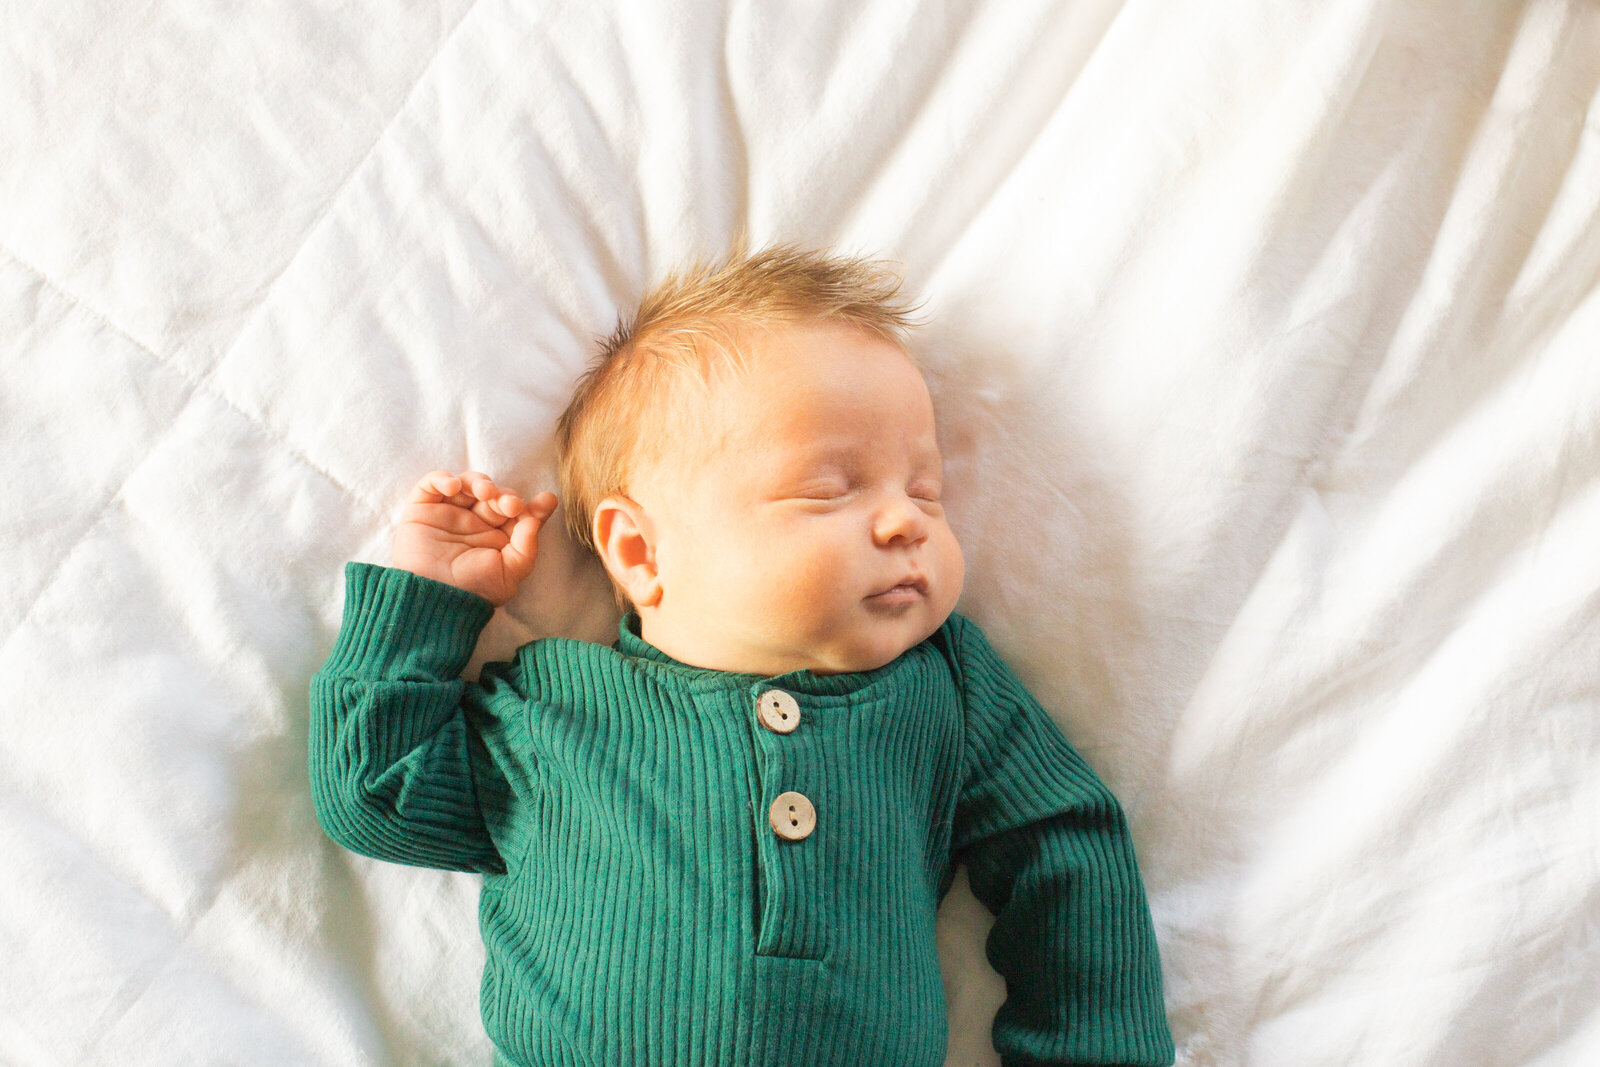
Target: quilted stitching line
(195, 386)
(204, 382)
(76, 304)
(333, 200)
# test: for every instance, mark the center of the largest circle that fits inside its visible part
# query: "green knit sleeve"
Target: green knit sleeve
(1047, 850)
(390, 754)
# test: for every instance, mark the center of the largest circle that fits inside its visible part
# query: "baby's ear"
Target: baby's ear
(625, 541)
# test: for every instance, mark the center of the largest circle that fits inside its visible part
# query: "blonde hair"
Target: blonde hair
(698, 320)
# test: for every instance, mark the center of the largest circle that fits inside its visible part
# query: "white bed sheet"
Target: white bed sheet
(1266, 340)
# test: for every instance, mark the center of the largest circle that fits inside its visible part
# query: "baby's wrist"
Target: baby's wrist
(424, 569)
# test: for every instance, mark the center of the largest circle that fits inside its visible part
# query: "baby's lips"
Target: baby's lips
(915, 582)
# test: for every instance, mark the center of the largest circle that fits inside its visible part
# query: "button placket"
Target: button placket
(790, 876)
(792, 814)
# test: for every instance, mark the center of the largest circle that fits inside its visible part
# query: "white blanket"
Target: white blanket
(1266, 342)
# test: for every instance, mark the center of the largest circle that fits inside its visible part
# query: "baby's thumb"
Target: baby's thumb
(523, 540)
(542, 506)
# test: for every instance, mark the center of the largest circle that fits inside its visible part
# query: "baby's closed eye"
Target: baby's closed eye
(830, 495)
(824, 490)
(821, 498)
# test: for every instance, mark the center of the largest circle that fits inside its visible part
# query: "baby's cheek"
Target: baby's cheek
(806, 580)
(957, 565)
(950, 577)
(809, 584)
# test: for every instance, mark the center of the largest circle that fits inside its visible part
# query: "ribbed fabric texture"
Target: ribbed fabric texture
(638, 907)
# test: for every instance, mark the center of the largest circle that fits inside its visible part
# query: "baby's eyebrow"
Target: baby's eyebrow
(822, 457)
(823, 452)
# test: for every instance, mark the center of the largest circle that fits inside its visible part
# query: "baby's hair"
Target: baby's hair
(698, 320)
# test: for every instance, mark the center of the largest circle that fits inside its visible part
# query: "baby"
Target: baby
(723, 839)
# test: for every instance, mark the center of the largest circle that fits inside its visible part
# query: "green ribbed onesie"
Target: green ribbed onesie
(638, 907)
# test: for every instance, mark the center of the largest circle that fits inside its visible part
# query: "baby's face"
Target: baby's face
(811, 533)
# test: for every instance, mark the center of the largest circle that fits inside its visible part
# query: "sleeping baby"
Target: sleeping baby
(723, 838)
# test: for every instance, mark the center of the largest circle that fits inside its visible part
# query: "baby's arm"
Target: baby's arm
(468, 532)
(396, 773)
(1047, 850)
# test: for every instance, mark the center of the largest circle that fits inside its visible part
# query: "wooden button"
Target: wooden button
(778, 711)
(792, 816)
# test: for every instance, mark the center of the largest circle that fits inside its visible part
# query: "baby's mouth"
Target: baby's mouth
(906, 591)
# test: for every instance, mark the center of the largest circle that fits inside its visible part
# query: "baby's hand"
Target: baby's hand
(469, 532)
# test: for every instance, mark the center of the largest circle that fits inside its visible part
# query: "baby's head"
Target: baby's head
(753, 459)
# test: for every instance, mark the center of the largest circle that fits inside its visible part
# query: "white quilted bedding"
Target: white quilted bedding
(1266, 340)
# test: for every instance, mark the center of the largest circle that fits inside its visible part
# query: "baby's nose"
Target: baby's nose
(899, 520)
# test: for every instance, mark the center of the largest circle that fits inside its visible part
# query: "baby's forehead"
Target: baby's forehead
(736, 373)
(799, 349)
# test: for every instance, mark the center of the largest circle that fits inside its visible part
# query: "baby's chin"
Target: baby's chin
(861, 645)
(878, 651)
(817, 660)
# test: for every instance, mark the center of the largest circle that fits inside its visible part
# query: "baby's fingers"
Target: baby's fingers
(508, 504)
(479, 484)
(434, 487)
(491, 503)
(523, 544)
